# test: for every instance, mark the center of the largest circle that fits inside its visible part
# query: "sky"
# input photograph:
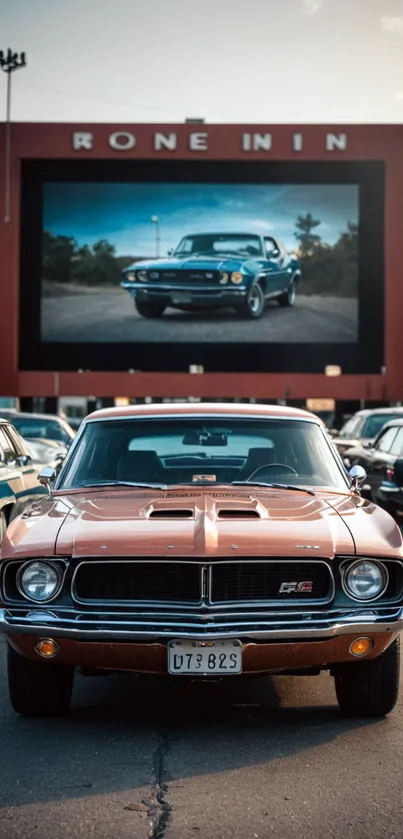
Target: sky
(122, 212)
(159, 61)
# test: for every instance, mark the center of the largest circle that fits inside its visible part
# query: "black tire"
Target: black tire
(149, 308)
(288, 298)
(253, 304)
(3, 526)
(38, 688)
(369, 688)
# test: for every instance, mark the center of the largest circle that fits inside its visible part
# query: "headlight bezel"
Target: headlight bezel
(142, 276)
(53, 566)
(131, 276)
(346, 568)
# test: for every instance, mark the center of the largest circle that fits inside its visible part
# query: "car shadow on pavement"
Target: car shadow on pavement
(109, 742)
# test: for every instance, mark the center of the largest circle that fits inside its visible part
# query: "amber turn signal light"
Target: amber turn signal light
(47, 648)
(361, 646)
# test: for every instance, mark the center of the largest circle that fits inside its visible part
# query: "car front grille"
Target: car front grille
(193, 583)
(185, 277)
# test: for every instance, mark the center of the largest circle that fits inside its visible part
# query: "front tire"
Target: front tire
(253, 305)
(149, 308)
(288, 298)
(369, 688)
(38, 688)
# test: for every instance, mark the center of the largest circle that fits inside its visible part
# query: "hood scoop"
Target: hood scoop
(238, 514)
(171, 514)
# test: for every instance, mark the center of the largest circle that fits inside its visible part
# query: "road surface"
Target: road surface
(111, 316)
(241, 760)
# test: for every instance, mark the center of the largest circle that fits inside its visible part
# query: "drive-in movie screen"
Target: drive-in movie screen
(200, 262)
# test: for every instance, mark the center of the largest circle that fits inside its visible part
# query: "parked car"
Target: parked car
(383, 462)
(364, 426)
(41, 427)
(46, 452)
(216, 270)
(203, 540)
(19, 485)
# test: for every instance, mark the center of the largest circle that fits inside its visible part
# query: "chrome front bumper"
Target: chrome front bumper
(269, 626)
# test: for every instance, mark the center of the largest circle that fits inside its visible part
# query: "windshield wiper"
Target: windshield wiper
(272, 486)
(89, 484)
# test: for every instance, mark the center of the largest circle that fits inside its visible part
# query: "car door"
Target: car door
(277, 278)
(379, 458)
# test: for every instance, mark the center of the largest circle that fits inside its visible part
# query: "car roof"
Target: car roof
(202, 409)
(366, 412)
(10, 414)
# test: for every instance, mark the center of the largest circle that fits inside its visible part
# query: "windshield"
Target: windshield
(41, 428)
(214, 450)
(221, 245)
(375, 424)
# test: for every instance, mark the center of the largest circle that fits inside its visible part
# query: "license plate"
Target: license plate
(181, 298)
(204, 657)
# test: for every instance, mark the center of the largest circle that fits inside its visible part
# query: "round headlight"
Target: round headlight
(236, 277)
(366, 580)
(131, 277)
(39, 581)
(224, 277)
(142, 276)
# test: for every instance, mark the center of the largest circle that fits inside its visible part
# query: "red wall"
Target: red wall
(364, 142)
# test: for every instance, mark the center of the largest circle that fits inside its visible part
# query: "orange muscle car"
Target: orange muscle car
(202, 540)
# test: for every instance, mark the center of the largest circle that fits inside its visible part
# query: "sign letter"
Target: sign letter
(162, 142)
(122, 141)
(336, 142)
(198, 142)
(297, 142)
(83, 140)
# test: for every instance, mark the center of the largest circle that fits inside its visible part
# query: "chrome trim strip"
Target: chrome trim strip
(206, 599)
(99, 629)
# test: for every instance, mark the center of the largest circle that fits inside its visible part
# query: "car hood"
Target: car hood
(195, 263)
(196, 523)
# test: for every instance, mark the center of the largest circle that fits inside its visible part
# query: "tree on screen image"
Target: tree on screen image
(330, 270)
(64, 262)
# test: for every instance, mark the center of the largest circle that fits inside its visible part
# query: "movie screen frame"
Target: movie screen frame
(366, 355)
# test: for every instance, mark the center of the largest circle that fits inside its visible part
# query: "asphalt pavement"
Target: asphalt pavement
(110, 316)
(241, 759)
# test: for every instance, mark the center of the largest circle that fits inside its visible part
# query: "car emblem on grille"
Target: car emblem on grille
(290, 588)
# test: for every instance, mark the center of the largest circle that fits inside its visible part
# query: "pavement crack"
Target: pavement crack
(160, 809)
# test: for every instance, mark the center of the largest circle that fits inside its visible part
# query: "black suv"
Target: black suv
(383, 463)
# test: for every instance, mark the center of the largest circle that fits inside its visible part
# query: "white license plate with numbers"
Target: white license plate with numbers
(204, 657)
(181, 298)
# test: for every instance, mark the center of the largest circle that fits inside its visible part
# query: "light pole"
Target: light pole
(9, 62)
(156, 221)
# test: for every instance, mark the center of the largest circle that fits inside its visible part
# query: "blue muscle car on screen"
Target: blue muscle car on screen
(215, 270)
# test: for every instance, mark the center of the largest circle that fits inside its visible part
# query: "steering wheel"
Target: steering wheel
(271, 466)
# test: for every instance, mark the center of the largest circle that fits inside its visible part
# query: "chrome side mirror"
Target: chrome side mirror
(357, 474)
(45, 478)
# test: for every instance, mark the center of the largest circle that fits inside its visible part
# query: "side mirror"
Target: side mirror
(333, 432)
(23, 460)
(357, 474)
(170, 252)
(45, 478)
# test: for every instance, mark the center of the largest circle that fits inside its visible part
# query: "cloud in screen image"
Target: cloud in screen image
(92, 232)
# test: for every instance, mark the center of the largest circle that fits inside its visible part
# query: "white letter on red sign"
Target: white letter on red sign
(336, 142)
(297, 142)
(162, 142)
(198, 142)
(122, 141)
(83, 140)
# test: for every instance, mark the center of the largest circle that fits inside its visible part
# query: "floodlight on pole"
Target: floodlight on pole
(9, 61)
(155, 220)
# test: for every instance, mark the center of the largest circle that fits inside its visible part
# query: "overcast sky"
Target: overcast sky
(261, 61)
(121, 213)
